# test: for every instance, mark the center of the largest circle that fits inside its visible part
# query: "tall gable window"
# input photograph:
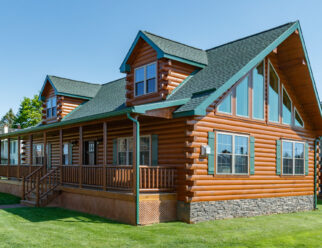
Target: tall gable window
(258, 92)
(287, 108)
(298, 122)
(145, 79)
(293, 158)
(51, 107)
(225, 105)
(273, 95)
(242, 98)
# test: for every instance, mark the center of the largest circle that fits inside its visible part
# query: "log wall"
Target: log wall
(265, 182)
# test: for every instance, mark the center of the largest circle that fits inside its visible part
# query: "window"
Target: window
(67, 154)
(242, 98)
(125, 151)
(298, 122)
(145, 79)
(258, 92)
(286, 109)
(38, 154)
(232, 154)
(51, 106)
(293, 158)
(225, 105)
(273, 95)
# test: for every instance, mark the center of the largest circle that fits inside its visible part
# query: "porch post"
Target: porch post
(80, 155)
(8, 145)
(30, 152)
(45, 151)
(0, 151)
(19, 157)
(104, 154)
(61, 154)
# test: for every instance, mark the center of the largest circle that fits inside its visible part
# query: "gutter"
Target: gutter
(137, 168)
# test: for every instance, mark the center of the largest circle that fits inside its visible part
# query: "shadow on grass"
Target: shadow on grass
(57, 214)
(7, 199)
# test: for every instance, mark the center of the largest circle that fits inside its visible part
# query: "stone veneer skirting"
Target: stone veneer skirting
(203, 211)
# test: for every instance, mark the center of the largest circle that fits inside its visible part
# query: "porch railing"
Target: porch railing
(120, 177)
(17, 171)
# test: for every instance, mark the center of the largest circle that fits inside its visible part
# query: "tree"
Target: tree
(8, 119)
(29, 113)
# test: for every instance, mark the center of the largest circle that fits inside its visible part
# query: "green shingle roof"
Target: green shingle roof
(223, 63)
(110, 97)
(69, 87)
(178, 49)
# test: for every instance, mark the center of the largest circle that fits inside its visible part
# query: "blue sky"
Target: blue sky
(87, 40)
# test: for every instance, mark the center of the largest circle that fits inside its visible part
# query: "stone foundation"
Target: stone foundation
(11, 187)
(204, 211)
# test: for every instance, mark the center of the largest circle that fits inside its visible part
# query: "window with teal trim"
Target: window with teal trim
(287, 109)
(293, 158)
(242, 98)
(258, 92)
(225, 105)
(273, 95)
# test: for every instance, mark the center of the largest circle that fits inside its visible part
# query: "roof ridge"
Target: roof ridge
(180, 43)
(114, 81)
(248, 36)
(75, 80)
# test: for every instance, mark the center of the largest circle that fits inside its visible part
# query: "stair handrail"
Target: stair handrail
(29, 179)
(48, 183)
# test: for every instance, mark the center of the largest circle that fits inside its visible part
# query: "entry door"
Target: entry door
(90, 152)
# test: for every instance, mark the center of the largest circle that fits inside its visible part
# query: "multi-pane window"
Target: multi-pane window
(286, 109)
(293, 158)
(258, 92)
(125, 150)
(273, 95)
(145, 79)
(232, 154)
(298, 122)
(242, 98)
(225, 105)
(51, 107)
(38, 154)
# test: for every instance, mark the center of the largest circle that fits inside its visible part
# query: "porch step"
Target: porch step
(28, 203)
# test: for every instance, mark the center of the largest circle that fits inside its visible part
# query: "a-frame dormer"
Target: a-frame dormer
(155, 66)
(60, 96)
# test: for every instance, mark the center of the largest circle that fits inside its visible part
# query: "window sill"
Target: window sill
(231, 176)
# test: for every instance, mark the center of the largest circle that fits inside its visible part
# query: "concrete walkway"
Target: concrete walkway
(11, 206)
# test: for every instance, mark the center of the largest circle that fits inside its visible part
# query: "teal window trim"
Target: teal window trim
(270, 65)
(233, 153)
(283, 89)
(248, 98)
(264, 91)
(211, 156)
(294, 142)
(278, 157)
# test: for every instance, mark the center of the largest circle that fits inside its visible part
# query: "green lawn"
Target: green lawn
(6, 199)
(54, 227)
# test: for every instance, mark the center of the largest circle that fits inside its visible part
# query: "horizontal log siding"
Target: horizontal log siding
(171, 142)
(265, 182)
(169, 74)
(66, 104)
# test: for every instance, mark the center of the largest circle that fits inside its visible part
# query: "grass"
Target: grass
(6, 199)
(55, 227)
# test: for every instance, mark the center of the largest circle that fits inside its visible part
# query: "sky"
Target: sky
(87, 40)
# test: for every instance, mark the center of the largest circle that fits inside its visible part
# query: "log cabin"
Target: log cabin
(188, 134)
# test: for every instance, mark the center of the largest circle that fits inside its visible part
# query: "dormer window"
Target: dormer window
(145, 79)
(51, 107)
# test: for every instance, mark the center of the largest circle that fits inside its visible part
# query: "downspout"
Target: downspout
(315, 173)
(137, 167)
